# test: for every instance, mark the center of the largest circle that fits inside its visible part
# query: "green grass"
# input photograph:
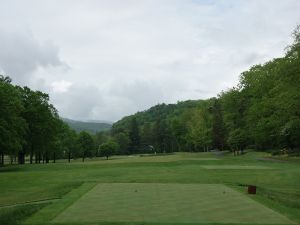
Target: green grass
(17, 214)
(64, 183)
(235, 167)
(48, 213)
(181, 203)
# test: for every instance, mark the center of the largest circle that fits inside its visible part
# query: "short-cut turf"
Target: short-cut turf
(180, 203)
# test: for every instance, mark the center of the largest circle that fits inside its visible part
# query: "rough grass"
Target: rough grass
(181, 203)
(15, 215)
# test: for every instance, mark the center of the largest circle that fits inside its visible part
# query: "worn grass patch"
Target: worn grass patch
(169, 203)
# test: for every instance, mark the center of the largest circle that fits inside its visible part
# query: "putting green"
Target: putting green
(180, 203)
(235, 167)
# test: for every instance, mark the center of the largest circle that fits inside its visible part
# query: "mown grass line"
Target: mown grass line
(51, 211)
(30, 203)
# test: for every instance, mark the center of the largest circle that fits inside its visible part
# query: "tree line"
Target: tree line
(262, 112)
(30, 129)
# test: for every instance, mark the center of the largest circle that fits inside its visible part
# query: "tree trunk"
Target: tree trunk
(47, 158)
(21, 157)
(69, 156)
(1, 159)
(107, 157)
(31, 157)
(83, 157)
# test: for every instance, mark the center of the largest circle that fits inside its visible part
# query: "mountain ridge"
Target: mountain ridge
(91, 127)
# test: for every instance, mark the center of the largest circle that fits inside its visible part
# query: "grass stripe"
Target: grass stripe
(51, 211)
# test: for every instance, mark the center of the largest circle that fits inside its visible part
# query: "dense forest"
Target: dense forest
(262, 112)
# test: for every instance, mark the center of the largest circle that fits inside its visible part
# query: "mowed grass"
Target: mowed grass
(169, 203)
(29, 186)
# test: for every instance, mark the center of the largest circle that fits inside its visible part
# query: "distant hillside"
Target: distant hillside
(90, 127)
(157, 112)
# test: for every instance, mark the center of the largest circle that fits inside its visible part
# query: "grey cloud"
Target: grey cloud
(78, 102)
(21, 54)
(142, 93)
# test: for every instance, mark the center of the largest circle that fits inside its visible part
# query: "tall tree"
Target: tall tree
(85, 144)
(200, 129)
(218, 126)
(67, 141)
(41, 118)
(12, 125)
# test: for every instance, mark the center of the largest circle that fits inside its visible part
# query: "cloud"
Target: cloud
(80, 101)
(21, 54)
(126, 55)
(61, 86)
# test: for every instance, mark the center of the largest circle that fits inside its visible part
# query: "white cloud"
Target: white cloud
(125, 56)
(61, 86)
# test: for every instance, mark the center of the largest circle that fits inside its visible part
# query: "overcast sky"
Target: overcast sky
(102, 60)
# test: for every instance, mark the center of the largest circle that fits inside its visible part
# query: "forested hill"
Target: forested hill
(261, 112)
(160, 111)
(90, 127)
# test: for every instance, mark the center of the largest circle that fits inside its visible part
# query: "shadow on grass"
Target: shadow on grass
(15, 215)
(10, 168)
